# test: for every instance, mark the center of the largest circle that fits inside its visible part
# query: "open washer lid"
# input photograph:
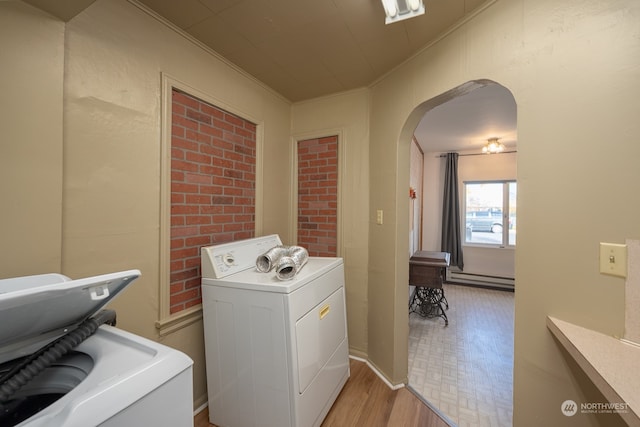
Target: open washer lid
(35, 310)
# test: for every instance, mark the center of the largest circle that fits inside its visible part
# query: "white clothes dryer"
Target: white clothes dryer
(277, 351)
(112, 378)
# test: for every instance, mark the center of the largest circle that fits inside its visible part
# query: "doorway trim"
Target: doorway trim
(402, 226)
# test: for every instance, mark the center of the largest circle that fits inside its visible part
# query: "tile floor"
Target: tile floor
(466, 369)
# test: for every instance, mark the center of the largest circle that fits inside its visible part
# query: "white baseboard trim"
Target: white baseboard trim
(200, 408)
(375, 370)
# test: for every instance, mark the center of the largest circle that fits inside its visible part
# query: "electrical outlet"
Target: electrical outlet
(379, 217)
(613, 259)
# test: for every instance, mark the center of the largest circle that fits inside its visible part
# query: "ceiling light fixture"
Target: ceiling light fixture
(493, 146)
(397, 10)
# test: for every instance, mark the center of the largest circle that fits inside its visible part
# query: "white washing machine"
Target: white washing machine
(112, 378)
(277, 352)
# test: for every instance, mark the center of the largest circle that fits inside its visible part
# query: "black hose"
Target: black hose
(28, 369)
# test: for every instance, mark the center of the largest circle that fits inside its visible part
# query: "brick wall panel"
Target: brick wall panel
(317, 195)
(213, 160)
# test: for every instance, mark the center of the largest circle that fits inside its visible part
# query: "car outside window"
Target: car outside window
(490, 213)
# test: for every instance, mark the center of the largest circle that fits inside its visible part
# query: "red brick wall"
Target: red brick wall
(213, 161)
(318, 195)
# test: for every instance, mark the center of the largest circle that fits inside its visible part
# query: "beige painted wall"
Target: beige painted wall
(573, 70)
(346, 114)
(99, 210)
(31, 70)
(115, 54)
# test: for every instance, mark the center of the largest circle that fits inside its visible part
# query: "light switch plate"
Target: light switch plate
(379, 217)
(613, 259)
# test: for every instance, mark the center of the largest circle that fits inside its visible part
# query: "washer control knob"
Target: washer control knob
(228, 259)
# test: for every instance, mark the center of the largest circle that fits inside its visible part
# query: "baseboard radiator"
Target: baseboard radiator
(480, 280)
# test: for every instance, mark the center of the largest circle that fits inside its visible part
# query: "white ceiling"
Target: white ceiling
(468, 121)
(309, 48)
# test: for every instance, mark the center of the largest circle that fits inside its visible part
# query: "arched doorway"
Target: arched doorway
(465, 370)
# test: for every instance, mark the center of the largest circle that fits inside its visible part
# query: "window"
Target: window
(490, 213)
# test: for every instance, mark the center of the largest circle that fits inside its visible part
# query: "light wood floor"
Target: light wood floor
(366, 400)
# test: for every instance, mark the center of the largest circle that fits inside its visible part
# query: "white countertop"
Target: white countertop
(612, 364)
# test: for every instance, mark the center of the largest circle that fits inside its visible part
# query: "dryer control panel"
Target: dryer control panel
(222, 260)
